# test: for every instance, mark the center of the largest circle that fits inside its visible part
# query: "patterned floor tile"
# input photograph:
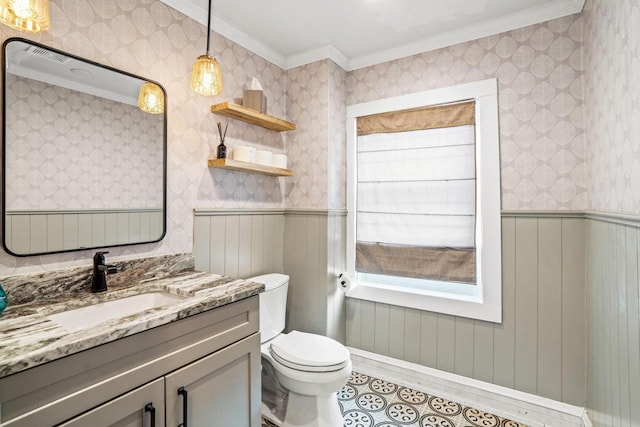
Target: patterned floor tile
(366, 401)
(370, 402)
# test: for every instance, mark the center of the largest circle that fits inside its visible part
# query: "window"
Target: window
(424, 201)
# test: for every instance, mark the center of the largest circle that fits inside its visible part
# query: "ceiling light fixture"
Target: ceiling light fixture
(206, 77)
(25, 15)
(151, 98)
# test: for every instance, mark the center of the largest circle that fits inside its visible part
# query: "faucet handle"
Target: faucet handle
(99, 259)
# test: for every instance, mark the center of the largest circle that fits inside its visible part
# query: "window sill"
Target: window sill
(438, 302)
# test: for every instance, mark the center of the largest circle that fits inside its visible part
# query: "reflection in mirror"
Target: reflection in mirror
(84, 167)
(151, 98)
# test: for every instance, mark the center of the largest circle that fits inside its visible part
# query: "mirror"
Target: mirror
(83, 166)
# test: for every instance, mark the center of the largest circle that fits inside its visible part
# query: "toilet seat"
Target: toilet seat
(309, 352)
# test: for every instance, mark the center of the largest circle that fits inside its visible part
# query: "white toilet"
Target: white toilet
(313, 368)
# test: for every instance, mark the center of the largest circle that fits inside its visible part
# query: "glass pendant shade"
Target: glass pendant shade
(151, 98)
(206, 78)
(25, 15)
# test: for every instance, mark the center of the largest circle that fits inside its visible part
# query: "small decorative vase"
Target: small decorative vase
(222, 150)
(3, 300)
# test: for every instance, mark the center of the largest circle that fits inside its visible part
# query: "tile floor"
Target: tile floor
(370, 402)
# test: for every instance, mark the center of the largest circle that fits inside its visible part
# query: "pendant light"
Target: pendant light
(25, 15)
(206, 78)
(151, 98)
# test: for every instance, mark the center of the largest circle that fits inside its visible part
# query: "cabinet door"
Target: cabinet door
(222, 389)
(142, 407)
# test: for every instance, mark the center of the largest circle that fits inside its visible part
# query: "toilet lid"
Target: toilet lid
(309, 352)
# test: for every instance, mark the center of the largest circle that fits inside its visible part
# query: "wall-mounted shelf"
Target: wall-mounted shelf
(236, 165)
(251, 116)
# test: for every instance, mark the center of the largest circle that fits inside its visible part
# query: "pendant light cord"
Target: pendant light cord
(209, 27)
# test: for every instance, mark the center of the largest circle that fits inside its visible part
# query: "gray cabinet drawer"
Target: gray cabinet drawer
(127, 410)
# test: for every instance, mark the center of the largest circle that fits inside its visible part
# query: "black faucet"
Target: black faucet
(100, 271)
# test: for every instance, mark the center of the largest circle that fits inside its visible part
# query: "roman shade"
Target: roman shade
(434, 117)
(416, 193)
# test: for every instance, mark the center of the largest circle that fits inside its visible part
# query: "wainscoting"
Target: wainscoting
(308, 245)
(314, 255)
(239, 243)
(50, 231)
(613, 307)
(538, 348)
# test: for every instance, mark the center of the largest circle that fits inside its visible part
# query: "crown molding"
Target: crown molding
(579, 4)
(503, 24)
(188, 8)
(500, 25)
(225, 29)
(245, 40)
(319, 54)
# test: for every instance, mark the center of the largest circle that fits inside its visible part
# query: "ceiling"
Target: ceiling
(360, 33)
(55, 68)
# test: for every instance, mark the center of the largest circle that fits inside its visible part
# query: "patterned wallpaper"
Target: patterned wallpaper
(337, 151)
(316, 96)
(149, 39)
(71, 150)
(308, 106)
(540, 83)
(540, 75)
(612, 86)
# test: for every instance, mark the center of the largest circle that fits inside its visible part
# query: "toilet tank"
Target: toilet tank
(273, 304)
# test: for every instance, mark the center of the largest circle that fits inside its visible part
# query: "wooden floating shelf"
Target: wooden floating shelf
(236, 165)
(249, 115)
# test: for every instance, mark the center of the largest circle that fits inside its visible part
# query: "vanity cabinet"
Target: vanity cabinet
(214, 356)
(216, 389)
(142, 407)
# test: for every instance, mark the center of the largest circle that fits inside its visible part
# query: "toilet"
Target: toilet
(311, 368)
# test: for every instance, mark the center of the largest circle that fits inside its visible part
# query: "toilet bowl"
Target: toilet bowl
(311, 367)
(312, 400)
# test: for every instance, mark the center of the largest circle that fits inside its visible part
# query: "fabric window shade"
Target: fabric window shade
(449, 264)
(440, 116)
(416, 193)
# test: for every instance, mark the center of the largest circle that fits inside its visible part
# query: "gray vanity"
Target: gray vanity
(197, 350)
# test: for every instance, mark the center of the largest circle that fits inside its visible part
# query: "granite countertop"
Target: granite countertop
(28, 338)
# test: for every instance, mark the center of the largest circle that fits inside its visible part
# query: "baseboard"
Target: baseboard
(519, 406)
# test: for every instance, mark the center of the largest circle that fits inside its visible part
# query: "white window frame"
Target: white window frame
(487, 305)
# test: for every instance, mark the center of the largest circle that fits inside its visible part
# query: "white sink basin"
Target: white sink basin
(85, 317)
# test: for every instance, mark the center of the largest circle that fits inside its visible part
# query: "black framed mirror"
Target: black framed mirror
(83, 166)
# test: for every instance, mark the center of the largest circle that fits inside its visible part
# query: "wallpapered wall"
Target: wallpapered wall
(71, 150)
(147, 38)
(308, 106)
(539, 69)
(316, 95)
(541, 105)
(612, 85)
(540, 84)
(612, 110)
(336, 159)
